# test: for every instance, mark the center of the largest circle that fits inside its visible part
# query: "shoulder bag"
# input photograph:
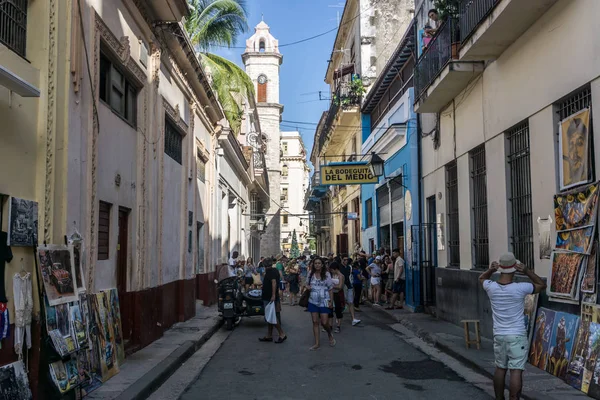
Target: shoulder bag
(303, 302)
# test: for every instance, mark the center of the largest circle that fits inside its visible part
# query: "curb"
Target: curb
(147, 384)
(431, 340)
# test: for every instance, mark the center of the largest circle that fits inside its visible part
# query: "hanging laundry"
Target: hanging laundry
(4, 321)
(22, 292)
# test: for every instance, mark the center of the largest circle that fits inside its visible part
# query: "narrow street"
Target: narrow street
(370, 361)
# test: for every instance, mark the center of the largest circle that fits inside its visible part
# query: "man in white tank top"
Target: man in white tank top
(511, 345)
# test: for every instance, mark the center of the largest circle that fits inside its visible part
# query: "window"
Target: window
(13, 25)
(284, 194)
(284, 147)
(453, 222)
(200, 168)
(284, 170)
(103, 230)
(520, 193)
(256, 208)
(481, 257)
(261, 46)
(285, 219)
(576, 102)
(117, 91)
(345, 218)
(369, 212)
(173, 141)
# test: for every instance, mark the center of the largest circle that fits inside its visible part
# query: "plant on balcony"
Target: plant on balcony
(356, 90)
(295, 251)
(447, 8)
(216, 23)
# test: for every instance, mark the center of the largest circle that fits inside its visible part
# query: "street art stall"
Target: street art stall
(567, 345)
(80, 337)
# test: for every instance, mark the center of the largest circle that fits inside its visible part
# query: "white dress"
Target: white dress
(23, 299)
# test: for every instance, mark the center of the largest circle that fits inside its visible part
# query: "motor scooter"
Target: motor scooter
(227, 289)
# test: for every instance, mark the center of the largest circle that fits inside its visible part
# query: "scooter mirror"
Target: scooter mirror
(216, 281)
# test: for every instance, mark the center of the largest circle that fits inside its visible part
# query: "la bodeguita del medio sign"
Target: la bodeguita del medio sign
(347, 174)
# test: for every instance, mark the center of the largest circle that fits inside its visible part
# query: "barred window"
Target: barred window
(369, 212)
(481, 257)
(13, 25)
(103, 230)
(453, 221)
(518, 158)
(173, 141)
(117, 91)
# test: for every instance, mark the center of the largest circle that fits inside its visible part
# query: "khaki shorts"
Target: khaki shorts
(511, 351)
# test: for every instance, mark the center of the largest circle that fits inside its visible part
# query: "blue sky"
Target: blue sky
(304, 64)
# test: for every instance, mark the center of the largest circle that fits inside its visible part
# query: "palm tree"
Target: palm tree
(218, 23)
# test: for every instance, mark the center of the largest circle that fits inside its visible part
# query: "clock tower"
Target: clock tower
(262, 61)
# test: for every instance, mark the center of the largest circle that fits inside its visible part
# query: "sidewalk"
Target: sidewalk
(449, 339)
(144, 371)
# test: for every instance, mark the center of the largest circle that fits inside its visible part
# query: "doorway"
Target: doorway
(122, 243)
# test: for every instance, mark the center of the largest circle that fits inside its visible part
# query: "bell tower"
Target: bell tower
(262, 60)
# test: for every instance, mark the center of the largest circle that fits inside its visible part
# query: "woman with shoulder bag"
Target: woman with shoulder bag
(320, 301)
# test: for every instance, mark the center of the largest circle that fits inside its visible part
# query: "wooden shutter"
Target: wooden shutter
(103, 230)
(262, 92)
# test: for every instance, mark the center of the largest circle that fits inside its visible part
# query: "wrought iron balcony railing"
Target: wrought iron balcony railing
(436, 56)
(472, 12)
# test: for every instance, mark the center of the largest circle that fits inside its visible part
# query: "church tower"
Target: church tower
(262, 61)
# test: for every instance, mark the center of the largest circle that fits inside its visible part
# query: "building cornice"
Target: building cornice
(247, 55)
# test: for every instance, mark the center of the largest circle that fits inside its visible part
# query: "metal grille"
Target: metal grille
(173, 141)
(435, 57)
(472, 13)
(481, 256)
(575, 103)
(520, 193)
(369, 212)
(453, 222)
(13, 25)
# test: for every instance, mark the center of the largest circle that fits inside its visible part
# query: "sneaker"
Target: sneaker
(336, 330)
(355, 322)
(377, 304)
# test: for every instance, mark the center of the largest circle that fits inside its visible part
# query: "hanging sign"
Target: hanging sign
(352, 216)
(347, 174)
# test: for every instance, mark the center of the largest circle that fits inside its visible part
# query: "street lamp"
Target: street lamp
(376, 165)
(260, 224)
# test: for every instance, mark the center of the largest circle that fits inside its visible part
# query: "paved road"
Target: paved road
(370, 361)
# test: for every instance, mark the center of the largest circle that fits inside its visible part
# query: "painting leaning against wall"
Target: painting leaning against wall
(22, 222)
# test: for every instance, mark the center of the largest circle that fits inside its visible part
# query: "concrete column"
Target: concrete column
(498, 212)
(464, 211)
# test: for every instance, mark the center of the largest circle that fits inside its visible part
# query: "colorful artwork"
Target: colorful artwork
(13, 382)
(58, 340)
(72, 372)
(62, 319)
(588, 283)
(591, 298)
(576, 208)
(72, 345)
(590, 312)
(78, 328)
(78, 264)
(544, 230)
(56, 267)
(85, 315)
(578, 240)
(83, 366)
(118, 326)
(59, 374)
(531, 301)
(581, 367)
(564, 273)
(22, 222)
(561, 343)
(106, 338)
(574, 153)
(51, 318)
(538, 353)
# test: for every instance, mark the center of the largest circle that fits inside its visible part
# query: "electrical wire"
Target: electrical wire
(89, 71)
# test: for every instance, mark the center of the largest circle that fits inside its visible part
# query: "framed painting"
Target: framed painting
(574, 149)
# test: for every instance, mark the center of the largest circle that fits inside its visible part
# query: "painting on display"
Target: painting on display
(83, 367)
(580, 366)
(59, 342)
(576, 208)
(115, 312)
(588, 283)
(593, 351)
(590, 312)
(72, 372)
(594, 387)
(564, 273)
(60, 376)
(51, 317)
(22, 222)
(544, 230)
(574, 153)
(78, 265)
(62, 319)
(13, 382)
(561, 343)
(56, 267)
(77, 327)
(105, 339)
(538, 352)
(531, 301)
(578, 240)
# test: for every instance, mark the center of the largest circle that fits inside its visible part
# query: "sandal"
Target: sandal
(332, 342)
(315, 347)
(281, 339)
(265, 339)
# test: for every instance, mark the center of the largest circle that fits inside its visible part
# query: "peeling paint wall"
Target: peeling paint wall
(391, 18)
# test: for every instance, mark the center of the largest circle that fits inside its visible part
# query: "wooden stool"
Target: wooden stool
(468, 341)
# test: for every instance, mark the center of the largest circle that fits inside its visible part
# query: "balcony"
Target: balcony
(489, 27)
(440, 77)
(170, 10)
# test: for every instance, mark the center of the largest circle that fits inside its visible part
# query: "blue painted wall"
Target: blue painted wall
(405, 162)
